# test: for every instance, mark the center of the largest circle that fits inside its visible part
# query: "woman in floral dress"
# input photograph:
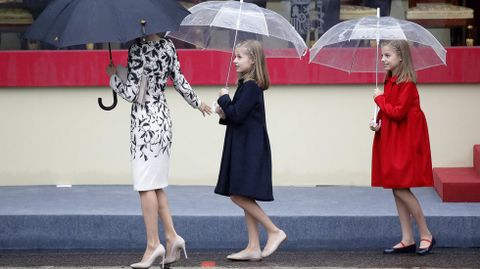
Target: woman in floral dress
(154, 60)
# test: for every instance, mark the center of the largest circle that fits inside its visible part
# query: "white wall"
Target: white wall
(319, 135)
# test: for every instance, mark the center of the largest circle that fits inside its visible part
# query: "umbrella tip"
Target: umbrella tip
(143, 22)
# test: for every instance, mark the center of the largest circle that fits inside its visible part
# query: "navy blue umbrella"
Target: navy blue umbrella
(74, 22)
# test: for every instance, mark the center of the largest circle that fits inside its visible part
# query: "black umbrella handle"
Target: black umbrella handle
(108, 108)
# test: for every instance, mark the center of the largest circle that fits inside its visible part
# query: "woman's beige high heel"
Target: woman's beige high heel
(159, 251)
(175, 251)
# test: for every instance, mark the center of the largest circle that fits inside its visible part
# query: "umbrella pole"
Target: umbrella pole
(375, 111)
(231, 60)
(234, 43)
(110, 52)
(114, 104)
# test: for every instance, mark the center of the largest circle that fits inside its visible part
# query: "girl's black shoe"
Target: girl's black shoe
(404, 249)
(423, 251)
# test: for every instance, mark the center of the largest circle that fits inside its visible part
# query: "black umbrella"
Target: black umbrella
(73, 22)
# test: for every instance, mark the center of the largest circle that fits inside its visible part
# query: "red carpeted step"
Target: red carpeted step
(457, 184)
(476, 158)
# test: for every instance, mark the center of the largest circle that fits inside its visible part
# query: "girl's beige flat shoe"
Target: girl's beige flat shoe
(272, 247)
(245, 255)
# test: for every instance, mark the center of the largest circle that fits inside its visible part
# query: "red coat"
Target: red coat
(401, 148)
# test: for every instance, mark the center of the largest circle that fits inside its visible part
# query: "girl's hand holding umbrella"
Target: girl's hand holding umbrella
(218, 109)
(374, 126)
(377, 92)
(223, 91)
(220, 112)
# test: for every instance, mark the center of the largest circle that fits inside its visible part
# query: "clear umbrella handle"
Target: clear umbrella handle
(375, 110)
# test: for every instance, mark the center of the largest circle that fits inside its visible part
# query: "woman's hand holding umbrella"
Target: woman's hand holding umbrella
(111, 69)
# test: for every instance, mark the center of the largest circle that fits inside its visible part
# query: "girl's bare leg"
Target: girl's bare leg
(413, 206)
(252, 251)
(405, 222)
(255, 211)
(252, 227)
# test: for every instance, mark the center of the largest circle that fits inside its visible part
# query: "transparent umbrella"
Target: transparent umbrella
(347, 46)
(219, 25)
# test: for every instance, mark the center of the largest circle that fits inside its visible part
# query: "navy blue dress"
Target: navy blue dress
(246, 167)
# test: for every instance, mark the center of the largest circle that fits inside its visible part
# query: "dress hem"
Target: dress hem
(402, 187)
(247, 196)
(151, 189)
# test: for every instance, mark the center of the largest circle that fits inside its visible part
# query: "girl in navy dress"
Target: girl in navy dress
(246, 168)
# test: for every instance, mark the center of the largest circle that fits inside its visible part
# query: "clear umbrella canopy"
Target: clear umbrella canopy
(218, 25)
(346, 46)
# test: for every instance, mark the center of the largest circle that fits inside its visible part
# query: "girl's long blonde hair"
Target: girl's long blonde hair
(406, 71)
(259, 72)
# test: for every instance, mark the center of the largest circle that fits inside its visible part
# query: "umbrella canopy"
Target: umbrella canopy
(347, 47)
(218, 25)
(74, 22)
(344, 46)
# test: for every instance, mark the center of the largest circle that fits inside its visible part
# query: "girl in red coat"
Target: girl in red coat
(401, 148)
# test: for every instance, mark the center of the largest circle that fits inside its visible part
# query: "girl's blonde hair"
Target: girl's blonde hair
(406, 72)
(259, 72)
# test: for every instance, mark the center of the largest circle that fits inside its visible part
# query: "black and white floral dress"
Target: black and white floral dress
(151, 125)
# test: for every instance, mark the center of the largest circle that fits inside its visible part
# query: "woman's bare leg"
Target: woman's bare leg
(149, 203)
(166, 218)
